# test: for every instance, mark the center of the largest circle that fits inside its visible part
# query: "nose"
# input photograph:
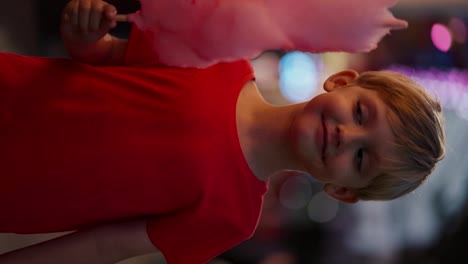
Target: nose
(349, 136)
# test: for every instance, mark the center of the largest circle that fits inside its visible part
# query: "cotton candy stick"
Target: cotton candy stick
(121, 18)
(199, 33)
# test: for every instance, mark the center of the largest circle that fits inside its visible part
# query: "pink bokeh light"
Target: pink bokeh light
(441, 37)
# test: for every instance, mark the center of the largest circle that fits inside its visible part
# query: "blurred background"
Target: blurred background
(299, 223)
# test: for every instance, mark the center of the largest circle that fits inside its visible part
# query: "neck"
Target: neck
(264, 134)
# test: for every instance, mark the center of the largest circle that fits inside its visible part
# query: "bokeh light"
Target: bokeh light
(441, 37)
(322, 208)
(299, 76)
(458, 29)
(449, 86)
(295, 192)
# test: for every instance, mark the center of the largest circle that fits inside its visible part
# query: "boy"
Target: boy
(151, 158)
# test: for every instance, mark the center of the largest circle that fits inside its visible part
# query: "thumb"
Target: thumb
(110, 12)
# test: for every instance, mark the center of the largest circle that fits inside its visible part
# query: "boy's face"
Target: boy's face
(341, 135)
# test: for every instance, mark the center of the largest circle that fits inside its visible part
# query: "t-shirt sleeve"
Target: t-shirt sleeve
(194, 237)
(139, 51)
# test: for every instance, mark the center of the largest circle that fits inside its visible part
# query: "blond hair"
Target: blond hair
(417, 125)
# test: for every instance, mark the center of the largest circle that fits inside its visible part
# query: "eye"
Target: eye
(359, 113)
(359, 156)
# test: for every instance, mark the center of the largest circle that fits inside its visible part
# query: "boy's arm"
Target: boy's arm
(101, 245)
(85, 25)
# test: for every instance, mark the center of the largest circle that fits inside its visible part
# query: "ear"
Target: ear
(339, 193)
(340, 79)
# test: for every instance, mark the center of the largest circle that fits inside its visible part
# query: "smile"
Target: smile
(324, 139)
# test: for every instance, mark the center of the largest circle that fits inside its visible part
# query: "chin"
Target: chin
(313, 178)
(315, 170)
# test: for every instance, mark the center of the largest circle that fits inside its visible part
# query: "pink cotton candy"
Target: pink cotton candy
(199, 33)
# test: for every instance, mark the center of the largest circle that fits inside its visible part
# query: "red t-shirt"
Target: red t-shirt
(82, 145)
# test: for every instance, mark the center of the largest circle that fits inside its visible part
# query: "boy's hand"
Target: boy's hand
(87, 21)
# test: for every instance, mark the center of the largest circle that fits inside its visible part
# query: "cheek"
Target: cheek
(340, 166)
(318, 103)
(303, 134)
(338, 107)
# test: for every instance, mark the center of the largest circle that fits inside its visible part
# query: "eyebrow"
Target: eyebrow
(371, 110)
(373, 158)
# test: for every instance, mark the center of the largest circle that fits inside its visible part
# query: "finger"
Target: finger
(110, 12)
(65, 25)
(67, 13)
(84, 14)
(113, 24)
(95, 17)
(74, 6)
(106, 26)
(66, 18)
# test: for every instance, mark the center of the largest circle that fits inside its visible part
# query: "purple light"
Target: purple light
(449, 86)
(458, 28)
(441, 37)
